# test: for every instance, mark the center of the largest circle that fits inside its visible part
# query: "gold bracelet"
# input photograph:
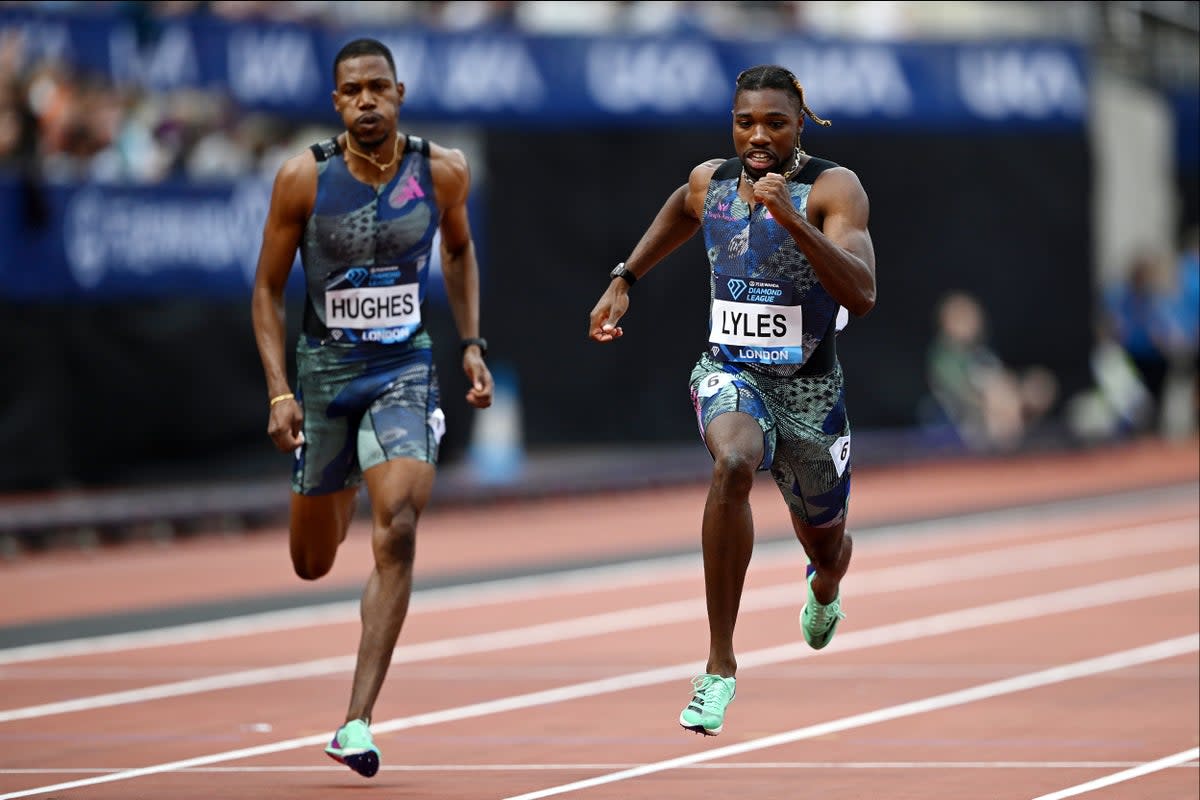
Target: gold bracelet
(280, 398)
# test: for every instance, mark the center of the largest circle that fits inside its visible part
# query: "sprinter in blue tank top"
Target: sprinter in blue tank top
(362, 209)
(788, 248)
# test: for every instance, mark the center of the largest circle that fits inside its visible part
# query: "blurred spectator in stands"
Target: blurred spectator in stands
(1186, 303)
(19, 141)
(135, 155)
(1117, 404)
(1140, 315)
(991, 406)
(92, 121)
(224, 147)
(461, 15)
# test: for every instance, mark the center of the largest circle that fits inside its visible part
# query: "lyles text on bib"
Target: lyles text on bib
(755, 320)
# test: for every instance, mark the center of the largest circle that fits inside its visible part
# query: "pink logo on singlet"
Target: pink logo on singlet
(405, 191)
(721, 212)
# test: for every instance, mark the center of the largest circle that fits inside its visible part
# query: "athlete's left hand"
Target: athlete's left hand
(480, 393)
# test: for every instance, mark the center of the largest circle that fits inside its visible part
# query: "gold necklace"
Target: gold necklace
(372, 159)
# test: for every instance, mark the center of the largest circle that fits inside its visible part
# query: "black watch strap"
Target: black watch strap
(621, 271)
(475, 340)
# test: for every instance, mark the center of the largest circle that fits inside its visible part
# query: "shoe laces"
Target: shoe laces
(824, 616)
(712, 688)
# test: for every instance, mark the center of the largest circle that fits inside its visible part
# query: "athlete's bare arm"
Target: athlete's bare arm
(676, 222)
(292, 199)
(460, 269)
(834, 237)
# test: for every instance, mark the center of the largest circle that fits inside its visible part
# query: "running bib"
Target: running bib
(373, 307)
(373, 304)
(755, 320)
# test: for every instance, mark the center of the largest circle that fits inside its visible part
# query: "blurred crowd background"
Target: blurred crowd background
(1037, 259)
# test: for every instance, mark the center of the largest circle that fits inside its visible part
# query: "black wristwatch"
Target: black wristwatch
(479, 341)
(621, 271)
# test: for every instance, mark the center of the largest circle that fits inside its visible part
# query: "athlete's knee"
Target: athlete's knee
(396, 539)
(311, 565)
(733, 472)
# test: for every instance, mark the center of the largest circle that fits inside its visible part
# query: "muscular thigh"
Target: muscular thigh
(812, 450)
(718, 388)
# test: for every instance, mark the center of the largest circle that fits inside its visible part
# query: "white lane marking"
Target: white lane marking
(727, 765)
(1098, 547)
(1125, 775)
(1101, 594)
(576, 581)
(1169, 648)
(1120, 543)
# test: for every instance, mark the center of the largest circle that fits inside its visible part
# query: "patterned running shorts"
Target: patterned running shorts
(806, 431)
(363, 406)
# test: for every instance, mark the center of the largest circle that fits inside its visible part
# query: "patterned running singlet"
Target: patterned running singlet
(767, 307)
(366, 249)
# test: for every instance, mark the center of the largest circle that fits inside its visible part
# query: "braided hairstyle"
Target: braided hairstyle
(772, 76)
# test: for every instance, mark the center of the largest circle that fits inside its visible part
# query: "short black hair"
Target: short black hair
(363, 47)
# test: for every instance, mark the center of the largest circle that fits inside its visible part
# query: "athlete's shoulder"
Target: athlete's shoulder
(451, 156)
(702, 173)
(448, 161)
(450, 172)
(835, 179)
(297, 170)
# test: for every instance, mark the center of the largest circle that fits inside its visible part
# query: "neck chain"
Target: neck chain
(371, 158)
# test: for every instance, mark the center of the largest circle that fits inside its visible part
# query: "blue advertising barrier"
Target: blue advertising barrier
(132, 241)
(510, 78)
(173, 239)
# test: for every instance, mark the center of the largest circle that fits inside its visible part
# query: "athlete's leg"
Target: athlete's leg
(829, 549)
(399, 491)
(318, 526)
(735, 440)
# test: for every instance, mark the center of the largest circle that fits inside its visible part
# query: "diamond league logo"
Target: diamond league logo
(357, 275)
(736, 287)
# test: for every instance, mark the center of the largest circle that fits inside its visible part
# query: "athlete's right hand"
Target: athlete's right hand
(608, 311)
(285, 424)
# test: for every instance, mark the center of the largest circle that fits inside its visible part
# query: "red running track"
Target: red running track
(1038, 639)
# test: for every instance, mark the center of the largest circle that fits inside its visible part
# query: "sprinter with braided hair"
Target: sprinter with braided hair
(787, 243)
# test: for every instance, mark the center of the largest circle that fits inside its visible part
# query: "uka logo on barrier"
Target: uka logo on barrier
(663, 77)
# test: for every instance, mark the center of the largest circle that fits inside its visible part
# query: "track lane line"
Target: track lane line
(1121, 543)
(932, 533)
(1124, 775)
(781, 766)
(1049, 604)
(1168, 648)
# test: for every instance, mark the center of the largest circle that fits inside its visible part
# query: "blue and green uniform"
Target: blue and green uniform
(772, 347)
(366, 378)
